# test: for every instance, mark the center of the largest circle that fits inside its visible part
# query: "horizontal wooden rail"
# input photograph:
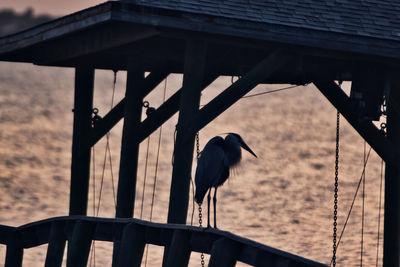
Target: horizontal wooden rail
(199, 239)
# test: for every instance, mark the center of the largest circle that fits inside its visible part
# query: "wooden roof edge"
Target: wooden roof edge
(185, 21)
(56, 28)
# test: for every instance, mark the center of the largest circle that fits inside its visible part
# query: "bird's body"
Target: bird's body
(214, 163)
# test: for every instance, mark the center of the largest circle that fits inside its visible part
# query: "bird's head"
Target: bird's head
(234, 137)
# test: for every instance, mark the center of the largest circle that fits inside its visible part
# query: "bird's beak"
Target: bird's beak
(245, 146)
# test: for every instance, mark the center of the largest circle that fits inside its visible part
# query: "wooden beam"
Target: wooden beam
(391, 247)
(79, 245)
(111, 229)
(117, 113)
(55, 249)
(167, 110)
(183, 156)
(130, 145)
(224, 252)
(372, 135)
(83, 105)
(94, 40)
(233, 93)
(14, 251)
(132, 246)
(179, 250)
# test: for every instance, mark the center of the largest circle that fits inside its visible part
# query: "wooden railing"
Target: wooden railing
(131, 236)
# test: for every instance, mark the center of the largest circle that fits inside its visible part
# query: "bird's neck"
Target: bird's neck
(234, 154)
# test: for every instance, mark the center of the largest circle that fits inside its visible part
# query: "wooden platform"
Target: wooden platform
(132, 234)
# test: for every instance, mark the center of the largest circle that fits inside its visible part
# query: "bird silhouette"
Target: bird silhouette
(213, 167)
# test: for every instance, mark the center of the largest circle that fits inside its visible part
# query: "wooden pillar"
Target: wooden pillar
(184, 145)
(14, 251)
(130, 143)
(391, 248)
(55, 249)
(80, 243)
(223, 253)
(179, 250)
(80, 166)
(132, 246)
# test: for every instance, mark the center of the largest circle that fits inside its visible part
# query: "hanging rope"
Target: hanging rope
(145, 176)
(363, 209)
(379, 215)
(108, 152)
(352, 204)
(383, 129)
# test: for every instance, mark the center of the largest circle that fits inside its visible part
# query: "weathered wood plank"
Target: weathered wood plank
(374, 137)
(55, 249)
(94, 40)
(132, 246)
(79, 245)
(179, 250)
(83, 105)
(195, 56)
(391, 246)
(233, 93)
(117, 113)
(130, 145)
(201, 239)
(14, 251)
(224, 253)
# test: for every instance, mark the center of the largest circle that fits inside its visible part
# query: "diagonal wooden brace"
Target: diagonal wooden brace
(117, 113)
(372, 135)
(233, 93)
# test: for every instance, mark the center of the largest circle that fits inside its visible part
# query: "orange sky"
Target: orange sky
(55, 7)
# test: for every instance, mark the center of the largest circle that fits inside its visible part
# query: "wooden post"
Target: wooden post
(79, 245)
(55, 249)
(391, 248)
(183, 156)
(130, 143)
(14, 251)
(132, 246)
(179, 250)
(80, 166)
(223, 253)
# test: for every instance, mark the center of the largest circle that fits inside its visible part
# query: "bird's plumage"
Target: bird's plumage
(212, 167)
(215, 161)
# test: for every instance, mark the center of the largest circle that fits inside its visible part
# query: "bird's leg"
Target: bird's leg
(215, 207)
(208, 208)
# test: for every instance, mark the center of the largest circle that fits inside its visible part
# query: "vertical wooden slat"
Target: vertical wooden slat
(80, 243)
(80, 166)
(179, 250)
(391, 249)
(224, 252)
(14, 251)
(130, 143)
(55, 249)
(132, 245)
(183, 156)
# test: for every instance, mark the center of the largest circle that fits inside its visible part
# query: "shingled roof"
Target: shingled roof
(372, 18)
(352, 28)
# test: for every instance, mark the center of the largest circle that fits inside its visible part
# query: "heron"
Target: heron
(213, 167)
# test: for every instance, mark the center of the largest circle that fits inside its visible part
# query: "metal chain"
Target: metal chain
(335, 206)
(200, 209)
